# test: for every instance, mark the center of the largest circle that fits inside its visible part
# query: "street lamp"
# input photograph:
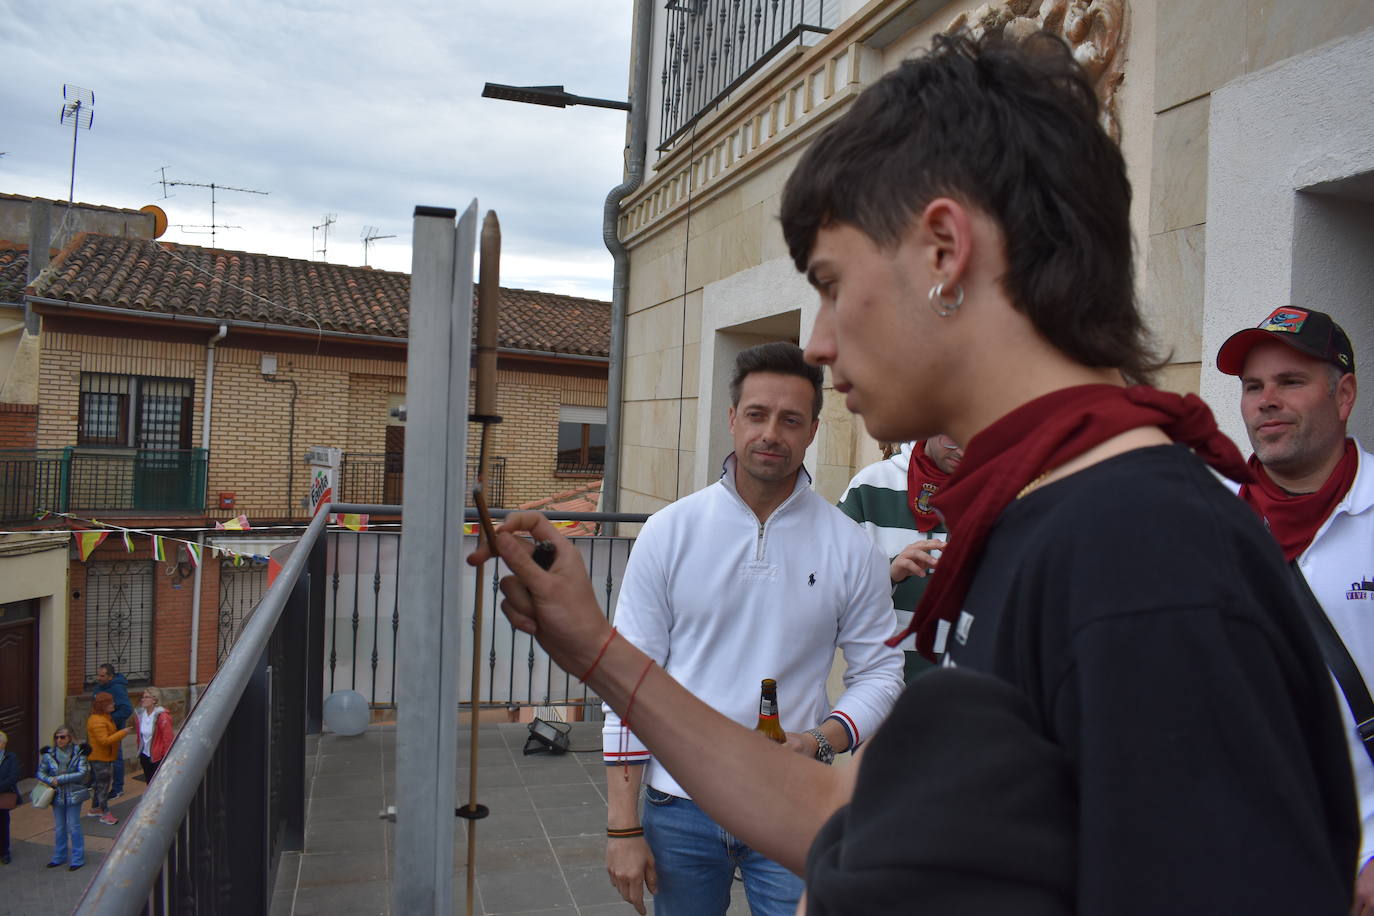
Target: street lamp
(553, 96)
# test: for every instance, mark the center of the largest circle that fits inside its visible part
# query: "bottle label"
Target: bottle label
(768, 709)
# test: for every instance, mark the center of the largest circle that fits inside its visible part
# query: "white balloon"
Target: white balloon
(345, 712)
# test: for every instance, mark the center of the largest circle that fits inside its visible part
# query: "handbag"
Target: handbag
(41, 796)
(9, 800)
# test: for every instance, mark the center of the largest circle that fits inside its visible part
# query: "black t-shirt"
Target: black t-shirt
(1150, 620)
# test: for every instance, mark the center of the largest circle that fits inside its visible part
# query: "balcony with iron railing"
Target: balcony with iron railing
(226, 820)
(712, 47)
(75, 479)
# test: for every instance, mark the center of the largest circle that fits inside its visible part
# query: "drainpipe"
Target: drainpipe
(200, 539)
(610, 223)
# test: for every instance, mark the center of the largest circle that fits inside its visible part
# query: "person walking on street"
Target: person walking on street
(64, 767)
(117, 686)
(9, 785)
(154, 726)
(104, 739)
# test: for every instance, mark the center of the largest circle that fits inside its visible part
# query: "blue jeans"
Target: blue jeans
(67, 824)
(696, 861)
(118, 785)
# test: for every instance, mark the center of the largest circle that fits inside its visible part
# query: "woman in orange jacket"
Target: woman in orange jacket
(104, 740)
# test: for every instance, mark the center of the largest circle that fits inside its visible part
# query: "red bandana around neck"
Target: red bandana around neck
(1294, 519)
(1033, 439)
(923, 480)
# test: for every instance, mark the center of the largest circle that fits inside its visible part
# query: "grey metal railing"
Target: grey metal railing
(363, 613)
(228, 799)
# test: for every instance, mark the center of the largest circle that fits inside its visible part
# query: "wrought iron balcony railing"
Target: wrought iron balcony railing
(377, 477)
(711, 47)
(76, 479)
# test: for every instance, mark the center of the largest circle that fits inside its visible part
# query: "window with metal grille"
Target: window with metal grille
(119, 618)
(132, 411)
(581, 440)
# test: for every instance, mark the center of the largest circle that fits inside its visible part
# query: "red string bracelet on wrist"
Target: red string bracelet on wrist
(596, 661)
(625, 719)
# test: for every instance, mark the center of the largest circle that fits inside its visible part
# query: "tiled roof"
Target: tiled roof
(578, 499)
(14, 271)
(163, 277)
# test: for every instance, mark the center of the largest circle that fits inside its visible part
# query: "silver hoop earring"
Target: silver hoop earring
(937, 300)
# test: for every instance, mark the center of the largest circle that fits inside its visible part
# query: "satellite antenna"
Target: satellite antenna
(369, 236)
(329, 219)
(77, 110)
(212, 225)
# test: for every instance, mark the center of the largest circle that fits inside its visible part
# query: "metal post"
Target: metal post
(294, 627)
(436, 448)
(315, 574)
(247, 742)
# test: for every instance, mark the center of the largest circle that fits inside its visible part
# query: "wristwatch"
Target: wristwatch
(824, 752)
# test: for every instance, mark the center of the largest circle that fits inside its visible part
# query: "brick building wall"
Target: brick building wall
(18, 425)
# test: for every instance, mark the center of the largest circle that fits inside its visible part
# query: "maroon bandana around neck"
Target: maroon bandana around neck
(1294, 519)
(923, 480)
(1033, 439)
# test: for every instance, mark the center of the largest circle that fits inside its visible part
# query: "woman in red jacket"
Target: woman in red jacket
(154, 726)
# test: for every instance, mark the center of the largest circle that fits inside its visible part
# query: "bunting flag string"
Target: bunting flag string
(128, 541)
(88, 541)
(159, 548)
(193, 549)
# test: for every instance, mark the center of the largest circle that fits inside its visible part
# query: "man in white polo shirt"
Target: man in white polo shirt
(756, 576)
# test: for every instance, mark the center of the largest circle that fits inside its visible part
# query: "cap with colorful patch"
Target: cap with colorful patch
(1310, 332)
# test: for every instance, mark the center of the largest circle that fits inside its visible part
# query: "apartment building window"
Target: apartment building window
(132, 411)
(581, 440)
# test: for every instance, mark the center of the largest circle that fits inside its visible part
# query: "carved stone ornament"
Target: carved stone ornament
(1094, 29)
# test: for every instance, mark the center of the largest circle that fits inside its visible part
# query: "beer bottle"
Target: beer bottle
(768, 712)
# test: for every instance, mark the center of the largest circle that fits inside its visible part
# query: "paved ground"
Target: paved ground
(29, 889)
(542, 850)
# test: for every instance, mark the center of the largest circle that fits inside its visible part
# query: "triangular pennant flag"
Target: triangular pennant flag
(237, 524)
(128, 541)
(88, 541)
(353, 522)
(194, 551)
(159, 549)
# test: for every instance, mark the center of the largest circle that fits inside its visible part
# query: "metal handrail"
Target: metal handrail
(127, 877)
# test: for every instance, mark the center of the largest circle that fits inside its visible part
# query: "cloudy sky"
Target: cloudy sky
(360, 109)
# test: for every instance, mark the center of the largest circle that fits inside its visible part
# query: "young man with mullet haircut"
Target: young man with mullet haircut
(1136, 720)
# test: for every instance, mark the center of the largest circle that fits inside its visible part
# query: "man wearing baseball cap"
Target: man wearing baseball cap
(1314, 487)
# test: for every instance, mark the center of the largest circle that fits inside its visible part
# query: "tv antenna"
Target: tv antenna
(328, 220)
(212, 225)
(369, 236)
(77, 110)
(162, 180)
